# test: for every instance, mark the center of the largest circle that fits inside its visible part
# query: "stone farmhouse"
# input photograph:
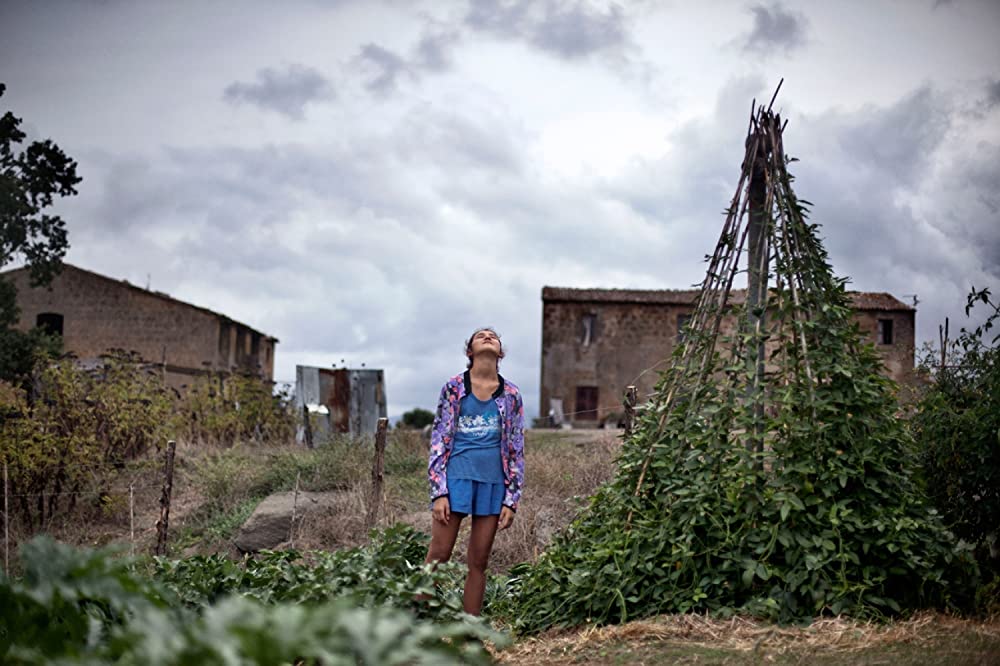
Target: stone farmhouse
(595, 342)
(94, 314)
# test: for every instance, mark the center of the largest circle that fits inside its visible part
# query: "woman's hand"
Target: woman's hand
(442, 510)
(506, 517)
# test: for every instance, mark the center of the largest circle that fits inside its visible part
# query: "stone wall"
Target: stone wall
(608, 339)
(99, 313)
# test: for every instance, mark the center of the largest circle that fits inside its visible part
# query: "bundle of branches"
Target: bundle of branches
(769, 474)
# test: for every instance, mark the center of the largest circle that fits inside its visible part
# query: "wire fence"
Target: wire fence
(113, 490)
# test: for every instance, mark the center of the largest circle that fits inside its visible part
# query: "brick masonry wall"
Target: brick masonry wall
(101, 314)
(630, 337)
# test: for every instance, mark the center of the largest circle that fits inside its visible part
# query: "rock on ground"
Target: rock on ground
(271, 522)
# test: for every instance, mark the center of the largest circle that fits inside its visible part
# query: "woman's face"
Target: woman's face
(484, 341)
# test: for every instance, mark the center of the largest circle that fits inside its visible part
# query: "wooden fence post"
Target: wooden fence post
(168, 487)
(6, 524)
(295, 506)
(943, 334)
(131, 518)
(631, 397)
(378, 467)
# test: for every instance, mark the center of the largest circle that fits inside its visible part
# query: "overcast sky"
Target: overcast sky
(369, 181)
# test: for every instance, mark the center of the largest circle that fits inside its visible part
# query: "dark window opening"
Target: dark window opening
(589, 333)
(682, 321)
(50, 322)
(224, 336)
(586, 403)
(885, 331)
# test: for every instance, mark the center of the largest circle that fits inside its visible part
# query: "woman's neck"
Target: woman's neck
(484, 370)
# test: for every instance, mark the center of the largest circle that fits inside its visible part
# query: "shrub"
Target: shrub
(225, 410)
(957, 429)
(79, 424)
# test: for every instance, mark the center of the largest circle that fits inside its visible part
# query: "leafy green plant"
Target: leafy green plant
(86, 607)
(770, 474)
(957, 430)
(388, 571)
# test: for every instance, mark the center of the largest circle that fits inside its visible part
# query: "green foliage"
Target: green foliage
(417, 418)
(85, 607)
(237, 408)
(79, 423)
(20, 352)
(388, 571)
(30, 180)
(957, 429)
(784, 494)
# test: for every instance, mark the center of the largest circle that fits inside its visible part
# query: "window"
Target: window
(586, 403)
(884, 331)
(682, 320)
(589, 334)
(50, 322)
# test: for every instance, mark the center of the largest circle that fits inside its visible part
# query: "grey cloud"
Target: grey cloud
(285, 91)
(896, 142)
(386, 67)
(340, 250)
(775, 27)
(565, 28)
(433, 52)
(993, 94)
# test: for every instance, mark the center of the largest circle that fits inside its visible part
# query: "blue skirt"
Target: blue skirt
(475, 498)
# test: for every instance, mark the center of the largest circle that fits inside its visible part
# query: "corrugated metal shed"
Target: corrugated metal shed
(341, 400)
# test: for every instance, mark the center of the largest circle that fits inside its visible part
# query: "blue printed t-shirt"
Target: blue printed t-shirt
(475, 453)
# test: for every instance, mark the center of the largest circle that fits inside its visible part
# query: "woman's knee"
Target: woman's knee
(438, 553)
(478, 561)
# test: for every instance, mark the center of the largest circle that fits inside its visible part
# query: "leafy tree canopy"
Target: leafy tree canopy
(417, 418)
(30, 180)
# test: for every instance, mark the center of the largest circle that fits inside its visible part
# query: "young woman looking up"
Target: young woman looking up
(476, 465)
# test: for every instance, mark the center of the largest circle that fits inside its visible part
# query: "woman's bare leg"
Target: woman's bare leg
(443, 536)
(484, 529)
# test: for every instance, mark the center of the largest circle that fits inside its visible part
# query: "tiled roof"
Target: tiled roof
(862, 300)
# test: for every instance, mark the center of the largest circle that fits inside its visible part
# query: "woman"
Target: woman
(476, 463)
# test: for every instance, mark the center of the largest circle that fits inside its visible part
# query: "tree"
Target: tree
(30, 180)
(417, 418)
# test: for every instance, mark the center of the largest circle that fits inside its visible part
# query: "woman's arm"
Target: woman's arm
(441, 436)
(515, 455)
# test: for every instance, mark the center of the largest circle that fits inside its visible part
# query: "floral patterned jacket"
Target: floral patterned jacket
(508, 399)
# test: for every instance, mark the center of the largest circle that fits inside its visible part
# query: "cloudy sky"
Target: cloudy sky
(369, 181)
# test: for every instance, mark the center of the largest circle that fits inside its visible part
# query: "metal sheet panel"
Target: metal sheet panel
(354, 399)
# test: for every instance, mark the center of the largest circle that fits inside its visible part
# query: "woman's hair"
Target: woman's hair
(468, 345)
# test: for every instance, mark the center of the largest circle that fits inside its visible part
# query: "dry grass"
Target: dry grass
(935, 637)
(562, 469)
